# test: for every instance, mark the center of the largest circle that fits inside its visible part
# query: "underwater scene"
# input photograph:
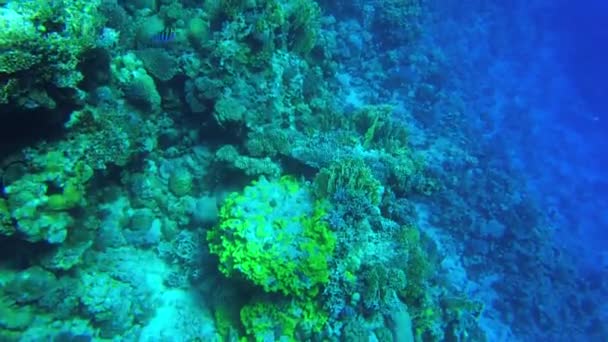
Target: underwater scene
(303, 170)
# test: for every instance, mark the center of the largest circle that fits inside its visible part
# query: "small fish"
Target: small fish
(165, 36)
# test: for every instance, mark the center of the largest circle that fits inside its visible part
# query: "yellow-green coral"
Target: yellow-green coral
(299, 18)
(69, 198)
(198, 31)
(459, 306)
(274, 235)
(227, 322)
(280, 319)
(304, 27)
(351, 175)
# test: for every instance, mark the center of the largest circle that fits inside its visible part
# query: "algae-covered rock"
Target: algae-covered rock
(40, 202)
(180, 182)
(13, 317)
(66, 256)
(27, 201)
(30, 285)
(231, 158)
(198, 31)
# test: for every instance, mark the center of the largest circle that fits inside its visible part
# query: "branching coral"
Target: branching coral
(110, 133)
(56, 32)
(351, 175)
(293, 25)
(380, 130)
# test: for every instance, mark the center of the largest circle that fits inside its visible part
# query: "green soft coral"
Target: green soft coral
(419, 267)
(274, 234)
(351, 175)
(293, 26)
(380, 130)
(417, 294)
(299, 21)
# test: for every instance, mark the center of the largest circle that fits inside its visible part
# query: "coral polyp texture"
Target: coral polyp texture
(275, 235)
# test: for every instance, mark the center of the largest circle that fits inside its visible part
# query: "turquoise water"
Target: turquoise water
(300, 170)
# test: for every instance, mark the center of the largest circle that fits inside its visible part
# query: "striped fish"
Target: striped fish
(165, 36)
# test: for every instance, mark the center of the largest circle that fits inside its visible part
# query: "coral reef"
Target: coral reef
(237, 170)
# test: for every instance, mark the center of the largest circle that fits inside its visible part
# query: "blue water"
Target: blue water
(144, 198)
(550, 59)
(581, 46)
(544, 63)
(556, 53)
